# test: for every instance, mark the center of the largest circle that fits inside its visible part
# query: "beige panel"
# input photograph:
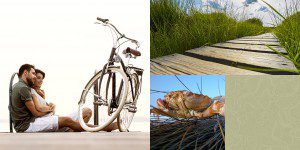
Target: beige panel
(262, 112)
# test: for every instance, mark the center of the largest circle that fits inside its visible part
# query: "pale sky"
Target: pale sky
(60, 37)
(251, 8)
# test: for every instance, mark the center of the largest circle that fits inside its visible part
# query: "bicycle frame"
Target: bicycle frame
(114, 58)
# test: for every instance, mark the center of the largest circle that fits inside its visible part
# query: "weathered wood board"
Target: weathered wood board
(254, 42)
(257, 59)
(262, 36)
(191, 65)
(251, 48)
(266, 40)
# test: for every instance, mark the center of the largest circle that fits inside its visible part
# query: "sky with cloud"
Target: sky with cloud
(250, 8)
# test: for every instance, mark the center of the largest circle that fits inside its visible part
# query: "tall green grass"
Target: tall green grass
(178, 25)
(288, 31)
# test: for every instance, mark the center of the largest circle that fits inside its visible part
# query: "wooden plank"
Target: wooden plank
(258, 39)
(198, 66)
(254, 42)
(154, 70)
(249, 47)
(262, 36)
(252, 58)
(165, 69)
(266, 34)
(161, 69)
(175, 65)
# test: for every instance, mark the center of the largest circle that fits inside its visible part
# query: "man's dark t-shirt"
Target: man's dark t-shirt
(21, 115)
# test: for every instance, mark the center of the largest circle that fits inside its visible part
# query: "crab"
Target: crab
(185, 104)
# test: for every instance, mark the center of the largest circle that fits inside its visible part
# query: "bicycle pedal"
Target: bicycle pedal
(128, 102)
(132, 109)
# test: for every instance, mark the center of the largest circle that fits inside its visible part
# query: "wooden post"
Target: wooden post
(96, 92)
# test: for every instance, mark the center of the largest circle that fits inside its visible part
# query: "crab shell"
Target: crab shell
(185, 100)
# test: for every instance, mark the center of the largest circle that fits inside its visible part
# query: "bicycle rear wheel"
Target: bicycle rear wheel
(126, 115)
(102, 96)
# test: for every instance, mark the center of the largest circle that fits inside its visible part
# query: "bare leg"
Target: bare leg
(68, 122)
(87, 114)
(112, 126)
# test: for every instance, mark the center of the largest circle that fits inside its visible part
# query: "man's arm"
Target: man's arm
(30, 105)
(25, 95)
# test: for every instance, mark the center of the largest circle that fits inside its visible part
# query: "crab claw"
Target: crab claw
(219, 107)
(160, 104)
(222, 110)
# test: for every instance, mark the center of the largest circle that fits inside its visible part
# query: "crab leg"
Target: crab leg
(168, 113)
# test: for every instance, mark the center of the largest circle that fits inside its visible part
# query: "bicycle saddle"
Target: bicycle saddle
(131, 51)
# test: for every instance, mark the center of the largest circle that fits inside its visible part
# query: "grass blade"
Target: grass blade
(274, 9)
(279, 53)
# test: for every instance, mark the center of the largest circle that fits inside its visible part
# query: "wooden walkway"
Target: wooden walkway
(235, 57)
(75, 141)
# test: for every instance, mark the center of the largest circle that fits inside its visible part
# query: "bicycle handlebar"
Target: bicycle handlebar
(102, 20)
(105, 21)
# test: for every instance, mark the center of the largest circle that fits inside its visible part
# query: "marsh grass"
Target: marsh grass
(288, 31)
(178, 25)
(174, 133)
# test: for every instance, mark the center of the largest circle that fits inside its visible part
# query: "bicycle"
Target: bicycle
(113, 91)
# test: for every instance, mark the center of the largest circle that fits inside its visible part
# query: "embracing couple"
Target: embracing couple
(31, 113)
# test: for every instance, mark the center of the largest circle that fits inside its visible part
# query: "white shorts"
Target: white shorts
(48, 123)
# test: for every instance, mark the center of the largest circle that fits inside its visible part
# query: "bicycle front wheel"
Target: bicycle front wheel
(103, 96)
